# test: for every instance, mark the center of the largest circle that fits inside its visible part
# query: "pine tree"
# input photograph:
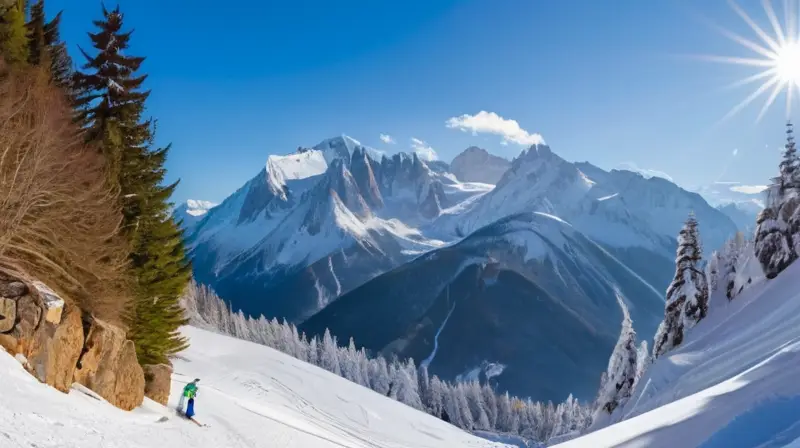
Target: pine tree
(329, 355)
(13, 34)
(37, 46)
(713, 272)
(779, 223)
(46, 48)
(111, 105)
(687, 295)
(617, 382)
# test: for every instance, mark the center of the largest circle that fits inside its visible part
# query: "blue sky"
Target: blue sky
(234, 82)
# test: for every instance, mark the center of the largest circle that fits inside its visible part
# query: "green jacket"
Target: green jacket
(190, 391)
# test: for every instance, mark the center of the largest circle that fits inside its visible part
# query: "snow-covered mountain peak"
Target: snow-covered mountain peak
(343, 147)
(191, 212)
(197, 207)
(476, 164)
(298, 166)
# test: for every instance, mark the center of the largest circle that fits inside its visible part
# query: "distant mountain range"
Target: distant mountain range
(394, 251)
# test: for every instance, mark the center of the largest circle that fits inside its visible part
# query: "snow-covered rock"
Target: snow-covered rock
(477, 165)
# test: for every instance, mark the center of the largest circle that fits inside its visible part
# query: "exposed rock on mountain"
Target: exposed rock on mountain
(477, 165)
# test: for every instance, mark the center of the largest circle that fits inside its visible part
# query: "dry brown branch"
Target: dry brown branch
(59, 221)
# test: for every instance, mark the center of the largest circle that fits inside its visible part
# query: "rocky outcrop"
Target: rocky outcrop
(157, 380)
(108, 366)
(129, 387)
(60, 345)
(55, 350)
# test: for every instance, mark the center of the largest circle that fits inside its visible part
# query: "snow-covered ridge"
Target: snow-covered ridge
(618, 208)
(731, 383)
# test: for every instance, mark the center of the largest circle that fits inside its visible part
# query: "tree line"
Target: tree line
(467, 405)
(107, 98)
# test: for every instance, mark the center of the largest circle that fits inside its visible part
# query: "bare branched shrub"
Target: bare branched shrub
(59, 220)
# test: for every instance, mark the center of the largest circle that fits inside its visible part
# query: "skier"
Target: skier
(189, 391)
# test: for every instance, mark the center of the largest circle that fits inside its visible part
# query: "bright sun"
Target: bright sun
(787, 62)
(778, 56)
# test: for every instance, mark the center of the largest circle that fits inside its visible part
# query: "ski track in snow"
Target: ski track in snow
(249, 395)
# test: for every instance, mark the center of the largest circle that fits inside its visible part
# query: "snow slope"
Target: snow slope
(733, 383)
(249, 395)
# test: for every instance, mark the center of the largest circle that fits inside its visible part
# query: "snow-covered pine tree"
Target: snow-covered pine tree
(490, 402)
(506, 421)
(777, 224)
(687, 295)
(642, 361)
(329, 355)
(435, 397)
(617, 382)
(713, 272)
(476, 405)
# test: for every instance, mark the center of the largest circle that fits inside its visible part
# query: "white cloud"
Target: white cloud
(749, 189)
(630, 166)
(735, 152)
(491, 123)
(386, 138)
(423, 150)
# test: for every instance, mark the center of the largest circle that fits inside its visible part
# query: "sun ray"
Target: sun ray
(773, 19)
(775, 91)
(735, 60)
(750, 79)
(779, 61)
(775, 46)
(788, 19)
(751, 98)
(741, 40)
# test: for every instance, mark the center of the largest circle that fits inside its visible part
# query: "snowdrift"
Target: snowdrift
(735, 382)
(250, 396)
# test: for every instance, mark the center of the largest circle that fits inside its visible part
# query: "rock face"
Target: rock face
(477, 165)
(108, 366)
(8, 314)
(55, 350)
(129, 387)
(35, 323)
(157, 382)
(53, 304)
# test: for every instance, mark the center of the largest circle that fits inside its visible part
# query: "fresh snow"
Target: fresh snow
(249, 395)
(282, 169)
(732, 383)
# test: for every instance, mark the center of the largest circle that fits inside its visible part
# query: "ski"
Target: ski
(202, 425)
